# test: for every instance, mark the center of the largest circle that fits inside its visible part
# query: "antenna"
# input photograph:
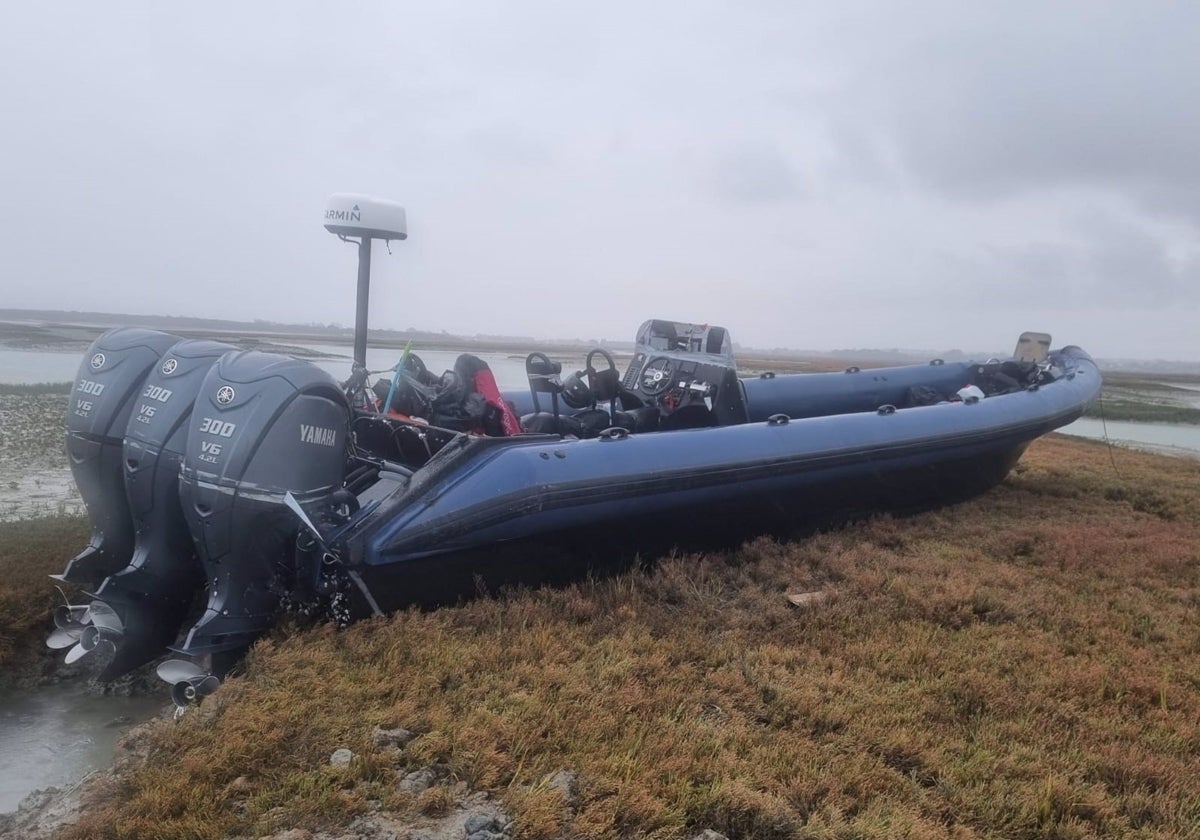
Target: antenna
(349, 215)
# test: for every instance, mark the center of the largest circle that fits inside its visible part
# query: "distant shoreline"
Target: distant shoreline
(72, 331)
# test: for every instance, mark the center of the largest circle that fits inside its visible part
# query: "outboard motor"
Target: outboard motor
(110, 379)
(151, 594)
(263, 426)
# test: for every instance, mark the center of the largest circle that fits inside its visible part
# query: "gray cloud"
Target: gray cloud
(1027, 97)
(811, 175)
(755, 172)
(1127, 269)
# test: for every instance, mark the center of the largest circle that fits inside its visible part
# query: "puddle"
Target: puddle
(55, 735)
(47, 492)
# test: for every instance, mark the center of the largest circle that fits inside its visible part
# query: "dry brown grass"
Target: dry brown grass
(1023, 665)
(29, 551)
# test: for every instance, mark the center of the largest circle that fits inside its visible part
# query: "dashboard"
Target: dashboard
(677, 365)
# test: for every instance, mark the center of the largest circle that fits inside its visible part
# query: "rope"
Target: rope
(1104, 425)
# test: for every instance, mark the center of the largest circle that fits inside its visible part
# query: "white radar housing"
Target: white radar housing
(348, 214)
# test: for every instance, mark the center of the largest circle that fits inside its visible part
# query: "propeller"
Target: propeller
(105, 628)
(60, 639)
(71, 615)
(189, 682)
(70, 620)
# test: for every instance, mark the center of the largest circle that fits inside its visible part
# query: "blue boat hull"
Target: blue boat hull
(495, 510)
(297, 495)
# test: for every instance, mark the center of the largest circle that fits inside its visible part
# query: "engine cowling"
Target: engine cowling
(263, 425)
(152, 593)
(109, 381)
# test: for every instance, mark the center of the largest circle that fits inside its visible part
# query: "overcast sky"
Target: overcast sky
(925, 175)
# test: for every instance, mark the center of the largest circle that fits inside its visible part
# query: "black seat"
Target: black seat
(544, 378)
(545, 423)
(625, 408)
(642, 419)
(694, 416)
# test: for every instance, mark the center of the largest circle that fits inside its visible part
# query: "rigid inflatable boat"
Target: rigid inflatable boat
(226, 487)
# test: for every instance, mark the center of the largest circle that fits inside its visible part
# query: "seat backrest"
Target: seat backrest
(544, 378)
(606, 385)
(543, 373)
(1032, 347)
(715, 343)
(729, 406)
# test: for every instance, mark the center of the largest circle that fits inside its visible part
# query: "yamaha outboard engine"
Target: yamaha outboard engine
(151, 594)
(110, 379)
(263, 426)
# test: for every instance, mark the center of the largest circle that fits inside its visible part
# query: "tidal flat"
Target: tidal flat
(1149, 398)
(35, 479)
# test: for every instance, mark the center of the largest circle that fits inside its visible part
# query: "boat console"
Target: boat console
(687, 372)
(682, 376)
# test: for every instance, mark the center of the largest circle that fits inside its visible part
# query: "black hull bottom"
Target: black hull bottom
(566, 556)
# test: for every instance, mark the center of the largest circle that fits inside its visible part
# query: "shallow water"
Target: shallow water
(1170, 438)
(25, 367)
(55, 735)
(509, 370)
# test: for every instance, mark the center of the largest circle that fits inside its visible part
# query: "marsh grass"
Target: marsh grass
(1142, 411)
(35, 389)
(30, 551)
(1024, 665)
(1146, 398)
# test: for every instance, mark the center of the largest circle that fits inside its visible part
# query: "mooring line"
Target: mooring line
(1104, 425)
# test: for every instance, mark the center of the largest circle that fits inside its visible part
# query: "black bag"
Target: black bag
(410, 397)
(921, 395)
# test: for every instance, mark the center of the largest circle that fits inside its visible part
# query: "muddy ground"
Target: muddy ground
(34, 477)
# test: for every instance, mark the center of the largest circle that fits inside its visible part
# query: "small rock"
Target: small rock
(477, 822)
(479, 797)
(709, 834)
(293, 834)
(567, 783)
(807, 599)
(341, 758)
(417, 781)
(397, 737)
(239, 785)
(485, 826)
(119, 720)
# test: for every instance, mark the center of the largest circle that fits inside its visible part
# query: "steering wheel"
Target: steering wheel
(415, 368)
(657, 376)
